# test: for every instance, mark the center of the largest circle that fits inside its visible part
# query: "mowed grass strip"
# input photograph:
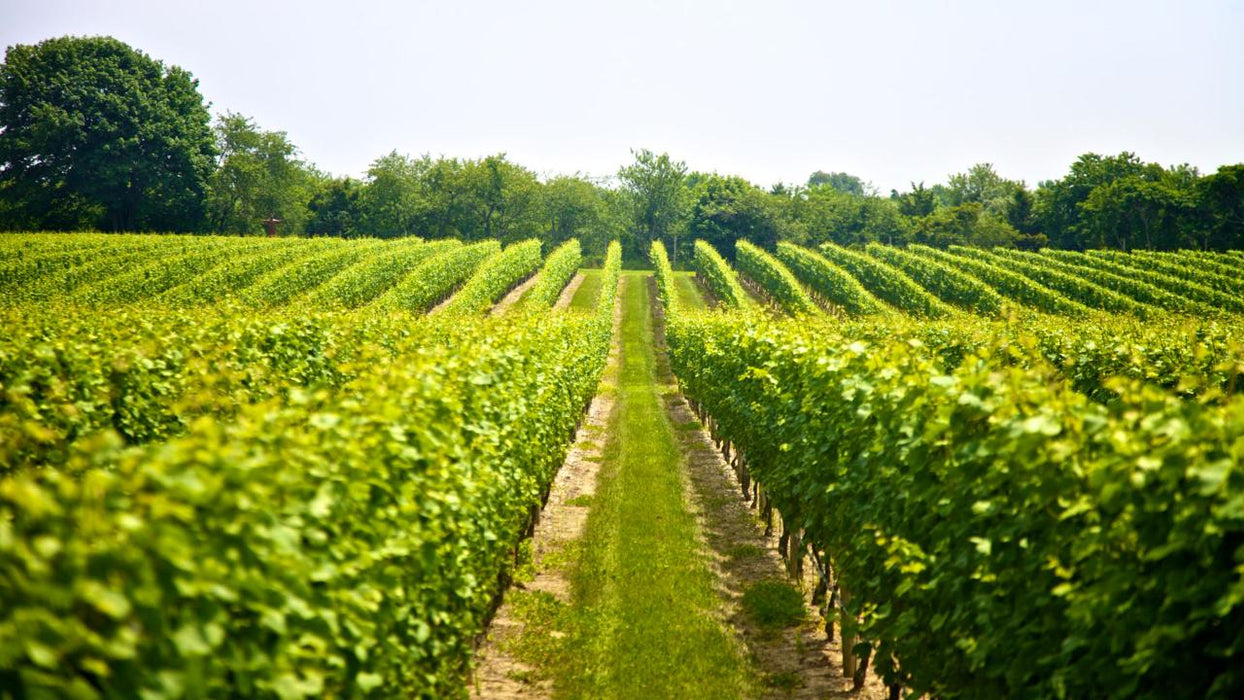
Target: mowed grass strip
(645, 619)
(585, 296)
(688, 293)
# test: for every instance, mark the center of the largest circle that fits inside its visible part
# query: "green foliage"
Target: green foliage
(436, 279)
(964, 224)
(258, 175)
(495, 276)
(214, 502)
(560, 266)
(947, 283)
(1001, 535)
(664, 275)
(842, 182)
(1194, 280)
(887, 283)
(1008, 283)
(728, 209)
(1141, 289)
(1076, 288)
(721, 280)
(777, 281)
(656, 190)
(94, 134)
(371, 277)
(827, 215)
(831, 282)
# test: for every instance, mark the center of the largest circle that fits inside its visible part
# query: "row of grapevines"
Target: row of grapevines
(1009, 284)
(42, 258)
(55, 284)
(144, 375)
(887, 283)
(1190, 357)
(299, 277)
(1000, 534)
(774, 278)
(372, 276)
(835, 285)
(1209, 272)
(436, 278)
(16, 247)
(342, 540)
(719, 278)
(1153, 281)
(144, 279)
(611, 270)
(241, 271)
(1083, 291)
(496, 276)
(1127, 264)
(560, 266)
(1135, 287)
(951, 285)
(664, 275)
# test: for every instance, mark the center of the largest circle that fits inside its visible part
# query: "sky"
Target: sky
(893, 92)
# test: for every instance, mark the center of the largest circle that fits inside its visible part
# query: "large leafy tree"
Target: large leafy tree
(1057, 209)
(97, 134)
(258, 175)
(576, 207)
(843, 182)
(1220, 198)
(727, 208)
(656, 187)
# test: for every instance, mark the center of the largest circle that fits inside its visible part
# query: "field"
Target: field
(311, 467)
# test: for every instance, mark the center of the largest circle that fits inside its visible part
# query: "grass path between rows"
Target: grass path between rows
(648, 575)
(646, 622)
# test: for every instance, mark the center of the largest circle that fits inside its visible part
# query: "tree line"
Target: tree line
(97, 135)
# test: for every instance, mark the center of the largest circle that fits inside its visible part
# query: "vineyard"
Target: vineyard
(310, 467)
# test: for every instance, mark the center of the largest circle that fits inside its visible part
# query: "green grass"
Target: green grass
(585, 296)
(688, 294)
(774, 604)
(643, 621)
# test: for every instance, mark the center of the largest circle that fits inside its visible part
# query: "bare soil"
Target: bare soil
(511, 298)
(563, 301)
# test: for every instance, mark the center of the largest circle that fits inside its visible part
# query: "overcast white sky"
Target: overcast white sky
(890, 91)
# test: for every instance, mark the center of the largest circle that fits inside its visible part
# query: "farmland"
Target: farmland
(310, 467)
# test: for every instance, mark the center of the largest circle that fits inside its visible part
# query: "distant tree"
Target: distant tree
(1220, 205)
(258, 175)
(96, 134)
(965, 224)
(659, 197)
(575, 207)
(504, 200)
(825, 214)
(1056, 209)
(843, 182)
(983, 185)
(1135, 211)
(334, 208)
(921, 201)
(389, 199)
(727, 208)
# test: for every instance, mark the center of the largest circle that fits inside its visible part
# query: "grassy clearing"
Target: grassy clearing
(585, 296)
(689, 294)
(645, 619)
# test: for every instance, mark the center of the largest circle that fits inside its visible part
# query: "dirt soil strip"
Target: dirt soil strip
(497, 674)
(512, 297)
(563, 301)
(799, 661)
